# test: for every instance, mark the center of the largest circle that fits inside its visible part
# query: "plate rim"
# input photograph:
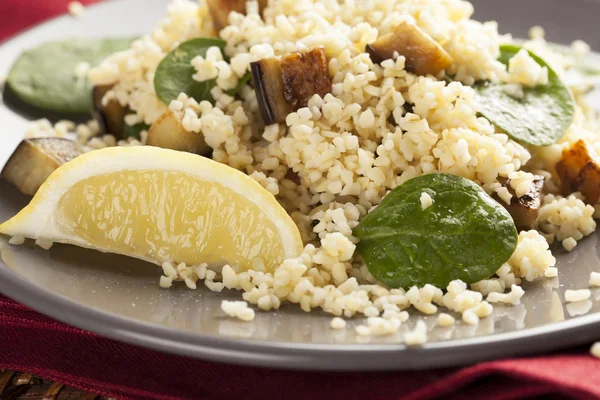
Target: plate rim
(303, 356)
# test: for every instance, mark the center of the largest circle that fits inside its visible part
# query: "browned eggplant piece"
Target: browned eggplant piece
(579, 171)
(220, 10)
(524, 209)
(111, 116)
(285, 85)
(35, 159)
(268, 82)
(168, 132)
(304, 75)
(424, 56)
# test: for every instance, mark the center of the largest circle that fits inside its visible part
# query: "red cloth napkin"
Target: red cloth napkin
(34, 343)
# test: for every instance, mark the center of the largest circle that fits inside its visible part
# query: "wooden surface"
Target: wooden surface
(23, 386)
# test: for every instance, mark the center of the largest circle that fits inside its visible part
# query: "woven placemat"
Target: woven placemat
(19, 385)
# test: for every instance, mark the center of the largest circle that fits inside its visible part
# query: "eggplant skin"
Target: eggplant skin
(579, 171)
(268, 82)
(525, 209)
(287, 84)
(168, 132)
(424, 56)
(304, 75)
(220, 9)
(110, 117)
(35, 159)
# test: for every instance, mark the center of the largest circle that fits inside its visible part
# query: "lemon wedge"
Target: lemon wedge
(159, 205)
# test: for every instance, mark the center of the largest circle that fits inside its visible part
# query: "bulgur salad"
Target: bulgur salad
(359, 157)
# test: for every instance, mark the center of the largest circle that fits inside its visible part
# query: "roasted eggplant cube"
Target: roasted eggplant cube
(304, 75)
(35, 159)
(525, 209)
(168, 132)
(424, 56)
(220, 10)
(268, 82)
(579, 171)
(110, 117)
(287, 84)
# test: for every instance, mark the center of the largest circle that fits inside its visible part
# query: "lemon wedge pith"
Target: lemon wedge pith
(159, 205)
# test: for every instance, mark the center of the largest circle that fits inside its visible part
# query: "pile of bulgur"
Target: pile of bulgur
(380, 126)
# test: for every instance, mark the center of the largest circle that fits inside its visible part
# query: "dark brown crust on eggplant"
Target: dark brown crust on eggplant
(35, 159)
(285, 85)
(220, 9)
(525, 209)
(304, 75)
(579, 171)
(424, 56)
(377, 56)
(110, 117)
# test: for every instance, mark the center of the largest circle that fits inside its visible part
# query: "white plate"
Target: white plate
(119, 298)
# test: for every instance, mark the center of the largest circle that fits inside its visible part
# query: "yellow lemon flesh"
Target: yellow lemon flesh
(159, 205)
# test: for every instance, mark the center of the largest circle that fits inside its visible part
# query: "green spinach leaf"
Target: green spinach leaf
(134, 131)
(540, 118)
(174, 73)
(243, 82)
(464, 234)
(44, 76)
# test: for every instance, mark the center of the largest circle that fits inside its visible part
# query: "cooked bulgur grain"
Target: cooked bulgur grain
(76, 9)
(445, 320)
(551, 272)
(16, 240)
(572, 296)
(595, 279)
(44, 244)
(426, 201)
(513, 297)
(595, 350)
(416, 337)
(238, 309)
(337, 323)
